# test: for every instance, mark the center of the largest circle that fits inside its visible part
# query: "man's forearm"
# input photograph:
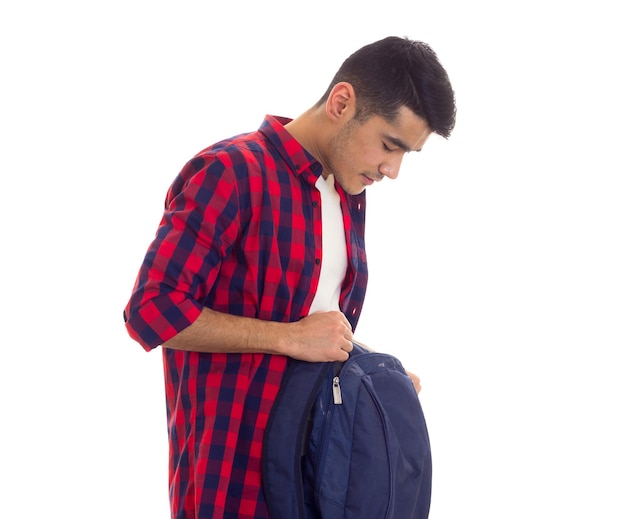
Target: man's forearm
(218, 332)
(320, 337)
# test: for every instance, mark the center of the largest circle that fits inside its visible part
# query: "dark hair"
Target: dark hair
(395, 72)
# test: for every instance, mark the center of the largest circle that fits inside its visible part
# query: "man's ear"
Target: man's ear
(341, 102)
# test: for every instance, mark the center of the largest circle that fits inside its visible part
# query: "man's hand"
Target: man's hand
(320, 337)
(416, 381)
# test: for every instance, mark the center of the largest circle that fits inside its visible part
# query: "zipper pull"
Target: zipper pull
(336, 391)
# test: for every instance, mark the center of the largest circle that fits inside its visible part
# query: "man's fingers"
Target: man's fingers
(416, 381)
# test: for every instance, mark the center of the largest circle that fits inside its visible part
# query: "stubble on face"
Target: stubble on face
(340, 161)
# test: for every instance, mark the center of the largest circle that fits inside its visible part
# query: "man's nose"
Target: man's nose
(390, 168)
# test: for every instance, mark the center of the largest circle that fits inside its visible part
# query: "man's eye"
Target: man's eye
(387, 148)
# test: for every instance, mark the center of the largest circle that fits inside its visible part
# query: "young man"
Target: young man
(260, 256)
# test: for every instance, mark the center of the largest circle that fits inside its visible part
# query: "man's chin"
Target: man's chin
(357, 191)
(357, 184)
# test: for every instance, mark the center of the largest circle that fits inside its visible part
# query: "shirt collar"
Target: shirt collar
(300, 161)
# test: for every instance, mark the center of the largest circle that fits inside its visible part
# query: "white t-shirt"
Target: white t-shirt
(334, 252)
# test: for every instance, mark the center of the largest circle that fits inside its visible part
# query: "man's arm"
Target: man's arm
(319, 337)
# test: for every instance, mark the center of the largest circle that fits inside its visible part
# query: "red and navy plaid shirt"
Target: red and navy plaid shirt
(242, 234)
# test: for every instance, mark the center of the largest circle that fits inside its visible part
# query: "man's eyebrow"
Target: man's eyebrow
(399, 143)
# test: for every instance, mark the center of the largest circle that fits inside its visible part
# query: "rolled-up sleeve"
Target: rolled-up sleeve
(180, 267)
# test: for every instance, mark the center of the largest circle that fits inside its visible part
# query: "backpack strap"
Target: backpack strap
(281, 461)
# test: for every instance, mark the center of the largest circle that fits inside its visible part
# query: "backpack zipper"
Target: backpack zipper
(336, 391)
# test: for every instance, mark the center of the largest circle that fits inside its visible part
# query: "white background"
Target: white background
(496, 259)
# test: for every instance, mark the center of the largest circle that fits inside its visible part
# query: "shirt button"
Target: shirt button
(317, 261)
(315, 204)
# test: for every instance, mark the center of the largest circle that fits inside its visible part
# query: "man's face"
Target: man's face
(361, 154)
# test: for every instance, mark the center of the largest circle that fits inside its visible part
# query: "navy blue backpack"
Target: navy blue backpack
(347, 441)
